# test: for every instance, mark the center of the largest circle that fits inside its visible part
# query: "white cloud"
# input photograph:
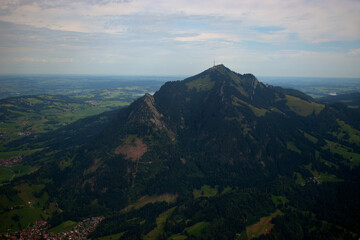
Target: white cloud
(62, 60)
(206, 36)
(43, 60)
(312, 21)
(248, 33)
(355, 52)
(30, 59)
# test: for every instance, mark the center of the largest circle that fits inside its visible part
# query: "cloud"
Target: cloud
(207, 36)
(43, 60)
(62, 60)
(164, 32)
(30, 59)
(355, 52)
(311, 21)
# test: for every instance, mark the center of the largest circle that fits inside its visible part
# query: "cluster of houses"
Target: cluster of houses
(25, 133)
(39, 230)
(314, 179)
(10, 161)
(91, 102)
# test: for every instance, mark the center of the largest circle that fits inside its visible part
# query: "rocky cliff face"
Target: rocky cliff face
(145, 112)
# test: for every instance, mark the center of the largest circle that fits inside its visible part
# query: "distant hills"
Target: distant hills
(73, 85)
(218, 155)
(316, 86)
(351, 99)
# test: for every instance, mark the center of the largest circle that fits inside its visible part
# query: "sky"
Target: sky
(317, 38)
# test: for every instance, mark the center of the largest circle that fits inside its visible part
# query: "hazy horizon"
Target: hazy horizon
(150, 76)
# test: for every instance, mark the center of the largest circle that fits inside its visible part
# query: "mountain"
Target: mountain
(215, 156)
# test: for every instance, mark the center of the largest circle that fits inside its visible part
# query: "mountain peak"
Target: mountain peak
(219, 68)
(148, 95)
(145, 111)
(214, 73)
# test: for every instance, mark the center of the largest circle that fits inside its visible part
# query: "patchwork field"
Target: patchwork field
(205, 191)
(262, 227)
(352, 158)
(30, 204)
(111, 237)
(160, 222)
(151, 199)
(63, 227)
(197, 230)
(302, 107)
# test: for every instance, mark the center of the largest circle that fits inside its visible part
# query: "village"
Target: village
(39, 230)
(10, 161)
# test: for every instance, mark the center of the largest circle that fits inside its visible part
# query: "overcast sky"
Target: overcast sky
(180, 37)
